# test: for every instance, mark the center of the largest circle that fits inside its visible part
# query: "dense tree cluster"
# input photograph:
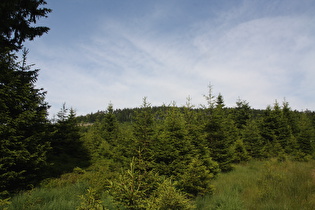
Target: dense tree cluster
(192, 145)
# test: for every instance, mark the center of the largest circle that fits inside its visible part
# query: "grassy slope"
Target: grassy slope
(254, 185)
(264, 185)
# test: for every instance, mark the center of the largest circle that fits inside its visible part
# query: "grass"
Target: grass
(66, 197)
(255, 185)
(264, 185)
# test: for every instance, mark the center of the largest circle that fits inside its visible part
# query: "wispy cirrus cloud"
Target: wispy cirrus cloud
(244, 50)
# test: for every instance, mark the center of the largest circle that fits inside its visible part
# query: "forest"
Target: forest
(147, 157)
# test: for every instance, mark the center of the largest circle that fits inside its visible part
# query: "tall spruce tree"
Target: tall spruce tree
(109, 126)
(253, 141)
(23, 110)
(143, 132)
(306, 135)
(67, 148)
(276, 130)
(23, 122)
(17, 22)
(242, 113)
(172, 149)
(220, 134)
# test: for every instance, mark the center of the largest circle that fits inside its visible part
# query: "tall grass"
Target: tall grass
(66, 197)
(264, 185)
(255, 185)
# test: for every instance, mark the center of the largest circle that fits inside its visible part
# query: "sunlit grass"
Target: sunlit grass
(264, 185)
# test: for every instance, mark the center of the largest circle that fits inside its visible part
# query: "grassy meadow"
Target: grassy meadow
(252, 185)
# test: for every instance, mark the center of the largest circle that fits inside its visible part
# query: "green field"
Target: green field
(254, 185)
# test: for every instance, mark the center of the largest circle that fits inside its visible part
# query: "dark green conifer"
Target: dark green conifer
(23, 124)
(220, 135)
(172, 148)
(306, 135)
(253, 141)
(17, 21)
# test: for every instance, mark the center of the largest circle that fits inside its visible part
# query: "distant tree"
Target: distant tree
(67, 148)
(242, 113)
(306, 135)
(239, 152)
(172, 149)
(143, 132)
(276, 129)
(109, 126)
(253, 141)
(196, 179)
(220, 134)
(23, 124)
(17, 19)
(194, 127)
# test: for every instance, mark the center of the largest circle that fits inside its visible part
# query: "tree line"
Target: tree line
(191, 146)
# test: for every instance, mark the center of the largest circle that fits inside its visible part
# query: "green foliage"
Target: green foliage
(68, 149)
(196, 179)
(23, 125)
(132, 187)
(242, 114)
(220, 134)
(4, 203)
(166, 196)
(239, 151)
(172, 149)
(143, 132)
(90, 201)
(253, 141)
(306, 135)
(17, 22)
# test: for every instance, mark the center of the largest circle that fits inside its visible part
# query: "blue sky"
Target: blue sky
(99, 52)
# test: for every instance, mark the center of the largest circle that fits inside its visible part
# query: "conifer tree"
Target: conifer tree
(239, 152)
(109, 127)
(23, 124)
(253, 141)
(196, 179)
(194, 129)
(172, 148)
(68, 150)
(306, 135)
(242, 113)
(276, 130)
(143, 132)
(219, 131)
(23, 111)
(17, 21)
(269, 128)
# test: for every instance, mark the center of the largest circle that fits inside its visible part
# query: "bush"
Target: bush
(166, 196)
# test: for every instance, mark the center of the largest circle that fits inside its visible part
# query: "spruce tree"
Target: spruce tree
(143, 132)
(242, 113)
(306, 135)
(109, 127)
(172, 149)
(220, 134)
(23, 124)
(17, 22)
(23, 111)
(68, 150)
(253, 141)
(276, 129)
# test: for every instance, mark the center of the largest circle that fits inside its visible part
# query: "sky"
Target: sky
(99, 52)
